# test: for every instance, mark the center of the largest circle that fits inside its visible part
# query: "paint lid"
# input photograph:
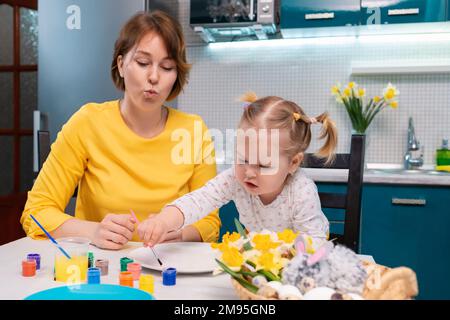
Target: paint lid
(169, 276)
(124, 262)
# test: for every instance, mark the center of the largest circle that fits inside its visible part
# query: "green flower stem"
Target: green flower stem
(269, 275)
(240, 229)
(249, 273)
(249, 286)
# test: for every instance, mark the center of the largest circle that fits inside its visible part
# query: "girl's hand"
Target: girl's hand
(114, 231)
(153, 230)
(174, 236)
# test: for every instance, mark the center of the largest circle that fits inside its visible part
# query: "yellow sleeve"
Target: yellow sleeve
(205, 170)
(57, 180)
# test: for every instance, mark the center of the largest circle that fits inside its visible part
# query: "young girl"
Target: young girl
(271, 193)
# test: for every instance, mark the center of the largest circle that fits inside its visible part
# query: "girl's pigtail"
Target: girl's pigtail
(329, 132)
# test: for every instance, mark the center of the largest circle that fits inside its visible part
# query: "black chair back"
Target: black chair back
(351, 200)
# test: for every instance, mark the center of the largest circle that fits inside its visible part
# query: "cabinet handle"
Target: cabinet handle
(319, 16)
(409, 202)
(403, 12)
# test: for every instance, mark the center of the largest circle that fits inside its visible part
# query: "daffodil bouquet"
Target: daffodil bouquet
(250, 258)
(361, 113)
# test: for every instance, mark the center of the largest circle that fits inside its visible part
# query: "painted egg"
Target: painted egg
(319, 293)
(289, 292)
(259, 281)
(274, 284)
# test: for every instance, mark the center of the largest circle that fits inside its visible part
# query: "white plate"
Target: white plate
(186, 257)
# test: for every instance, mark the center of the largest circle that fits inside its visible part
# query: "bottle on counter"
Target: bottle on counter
(443, 156)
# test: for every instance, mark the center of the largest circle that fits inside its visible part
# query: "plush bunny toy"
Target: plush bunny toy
(332, 266)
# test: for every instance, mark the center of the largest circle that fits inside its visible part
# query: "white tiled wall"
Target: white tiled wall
(305, 71)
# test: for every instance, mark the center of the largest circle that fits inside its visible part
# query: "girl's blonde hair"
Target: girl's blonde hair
(276, 113)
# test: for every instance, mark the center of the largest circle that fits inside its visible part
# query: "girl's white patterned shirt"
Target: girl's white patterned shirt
(297, 207)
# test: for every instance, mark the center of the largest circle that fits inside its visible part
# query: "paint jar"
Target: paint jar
(93, 276)
(103, 265)
(147, 283)
(135, 269)
(29, 268)
(37, 257)
(126, 279)
(169, 276)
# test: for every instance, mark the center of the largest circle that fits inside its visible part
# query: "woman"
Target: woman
(120, 154)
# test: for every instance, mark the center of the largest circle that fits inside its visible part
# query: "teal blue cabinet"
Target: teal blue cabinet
(319, 13)
(402, 11)
(417, 236)
(404, 225)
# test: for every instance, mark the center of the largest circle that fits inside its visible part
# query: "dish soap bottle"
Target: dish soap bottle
(443, 157)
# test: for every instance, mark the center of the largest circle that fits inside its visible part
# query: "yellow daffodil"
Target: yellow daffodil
(354, 100)
(222, 246)
(335, 90)
(251, 255)
(361, 92)
(264, 242)
(232, 257)
(390, 92)
(270, 262)
(227, 237)
(287, 235)
(347, 92)
(228, 240)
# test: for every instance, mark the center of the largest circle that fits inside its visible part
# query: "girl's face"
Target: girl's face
(261, 164)
(149, 74)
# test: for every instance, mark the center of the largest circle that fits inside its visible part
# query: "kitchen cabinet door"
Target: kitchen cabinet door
(409, 226)
(319, 13)
(402, 11)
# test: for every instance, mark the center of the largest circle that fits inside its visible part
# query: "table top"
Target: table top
(189, 286)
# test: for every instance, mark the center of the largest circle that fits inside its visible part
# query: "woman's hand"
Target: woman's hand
(114, 231)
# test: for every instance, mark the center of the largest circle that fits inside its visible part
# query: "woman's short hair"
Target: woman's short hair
(170, 32)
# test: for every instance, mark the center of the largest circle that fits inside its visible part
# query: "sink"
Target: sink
(408, 172)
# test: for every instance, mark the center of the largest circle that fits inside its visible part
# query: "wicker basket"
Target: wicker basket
(383, 283)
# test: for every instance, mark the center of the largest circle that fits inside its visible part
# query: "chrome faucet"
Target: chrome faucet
(412, 145)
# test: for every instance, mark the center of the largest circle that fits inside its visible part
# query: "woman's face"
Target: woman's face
(149, 74)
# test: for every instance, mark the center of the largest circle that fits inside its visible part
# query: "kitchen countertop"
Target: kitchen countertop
(378, 174)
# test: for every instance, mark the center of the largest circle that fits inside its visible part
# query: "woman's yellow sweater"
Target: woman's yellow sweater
(116, 170)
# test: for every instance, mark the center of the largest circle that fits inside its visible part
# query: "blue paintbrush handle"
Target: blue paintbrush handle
(50, 237)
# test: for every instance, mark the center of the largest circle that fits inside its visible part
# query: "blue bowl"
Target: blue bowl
(91, 292)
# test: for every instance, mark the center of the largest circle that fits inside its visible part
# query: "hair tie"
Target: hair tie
(296, 116)
(313, 120)
(246, 104)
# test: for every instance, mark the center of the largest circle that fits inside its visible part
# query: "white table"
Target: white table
(13, 286)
